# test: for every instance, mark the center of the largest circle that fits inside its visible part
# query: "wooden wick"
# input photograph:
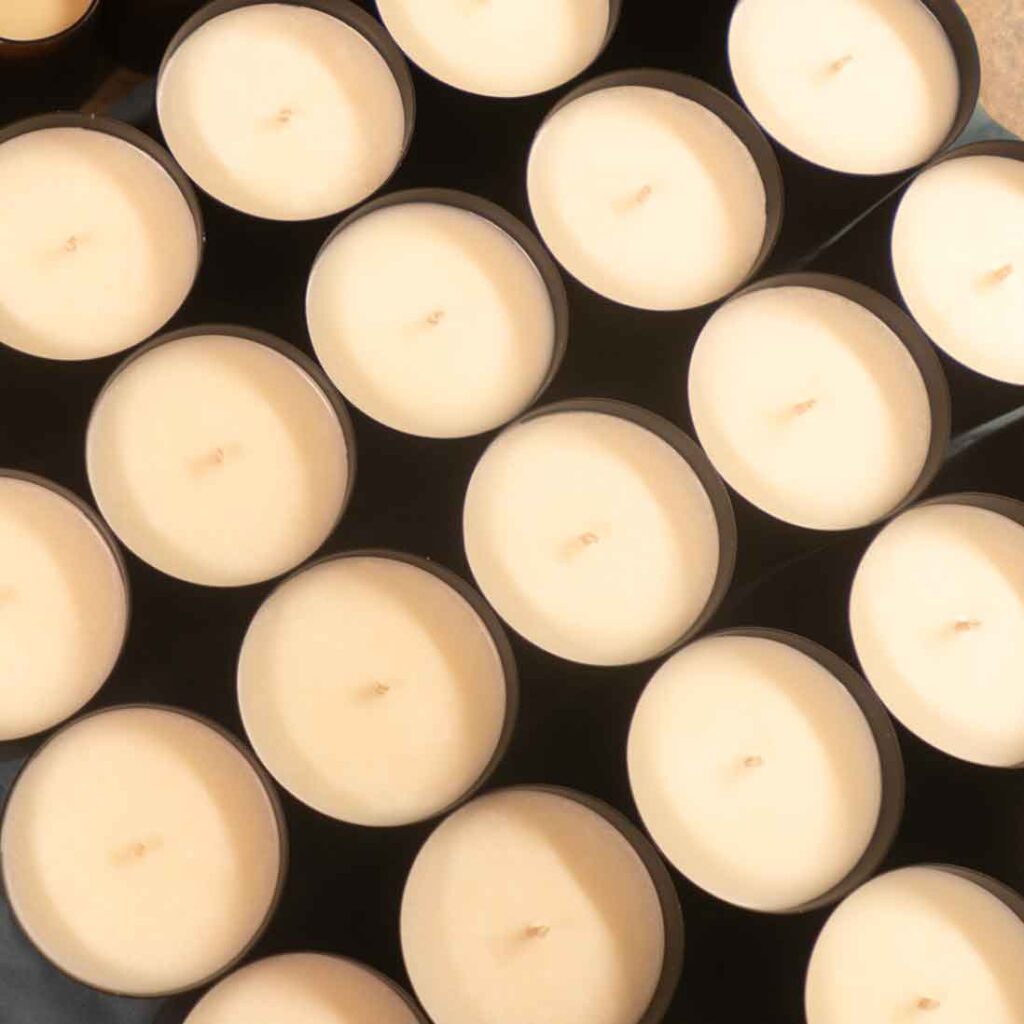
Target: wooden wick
(966, 625)
(837, 65)
(284, 115)
(1002, 273)
(754, 761)
(927, 1003)
(644, 194)
(537, 931)
(805, 406)
(381, 688)
(71, 245)
(588, 538)
(436, 317)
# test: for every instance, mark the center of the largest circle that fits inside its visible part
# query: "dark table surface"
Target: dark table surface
(345, 883)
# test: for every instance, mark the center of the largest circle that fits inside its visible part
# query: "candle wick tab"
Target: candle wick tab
(837, 65)
(927, 1003)
(966, 625)
(754, 761)
(537, 931)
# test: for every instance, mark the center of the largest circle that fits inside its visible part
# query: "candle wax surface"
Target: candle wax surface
(63, 608)
(527, 906)
(958, 254)
(371, 690)
(282, 111)
(302, 988)
(591, 536)
(937, 617)
(27, 20)
(98, 247)
(140, 851)
(810, 407)
(431, 320)
(217, 460)
(647, 198)
(918, 945)
(859, 86)
(499, 47)
(768, 807)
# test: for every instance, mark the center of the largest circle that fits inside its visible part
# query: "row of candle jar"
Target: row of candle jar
(143, 850)
(864, 89)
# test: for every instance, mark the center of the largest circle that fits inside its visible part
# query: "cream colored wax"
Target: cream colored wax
(27, 20)
(282, 111)
(372, 690)
(141, 851)
(508, 48)
(647, 198)
(810, 406)
(98, 246)
(755, 771)
(218, 460)
(303, 988)
(937, 617)
(431, 319)
(861, 86)
(63, 608)
(591, 536)
(917, 946)
(958, 254)
(527, 906)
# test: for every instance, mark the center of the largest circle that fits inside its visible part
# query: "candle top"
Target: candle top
(937, 617)
(863, 88)
(918, 944)
(796, 776)
(140, 850)
(282, 111)
(958, 256)
(30, 20)
(500, 49)
(303, 988)
(810, 406)
(648, 198)
(98, 245)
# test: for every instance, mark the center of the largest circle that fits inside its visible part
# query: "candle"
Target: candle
(598, 532)
(283, 110)
(655, 190)
(766, 770)
(501, 49)
(437, 313)
(100, 237)
(142, 853)
(938, 624)
(532, 905)
(374, 687)
(863, 88)
(29, 20)
(219, 456)
(305, 988)
(814, 397)
(63, 604)
(958, 255)
(921, 944)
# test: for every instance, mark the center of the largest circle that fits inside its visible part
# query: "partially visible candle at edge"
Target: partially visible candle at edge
(647, 198)
(140, 850)
(862, 88)
(755, 771)
(303, 988)
(918, 945)
(810, 406)
(30, 20)
(316, 134)
(63, 608)
(958, 256)
(499, 49)
(528, 906)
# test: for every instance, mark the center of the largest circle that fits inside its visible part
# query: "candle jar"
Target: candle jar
(102, 204)
(65, 595)
(409, 688)
(620, 189)
(220, 455)
(48, 57)
(843, 351)
(437, 312)
(575, 499)
(163, 838)
(518, 50)
(576, 887)
(719, 737)
(920, 940)
(282, 147)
